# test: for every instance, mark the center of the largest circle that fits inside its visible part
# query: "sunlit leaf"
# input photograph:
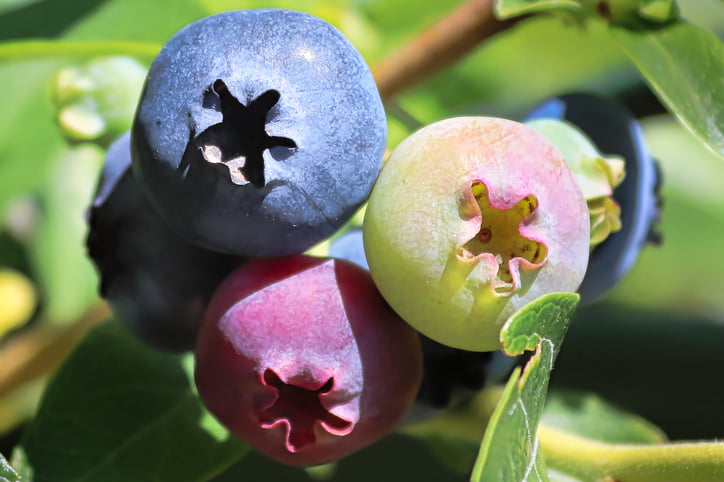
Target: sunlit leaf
(29, 137)
(509, 450)
(136, 20)
(513, 8)
(7, 472)
(66, 275)
(26, 49)
(684, 64)
(19, 461)
(658, 10)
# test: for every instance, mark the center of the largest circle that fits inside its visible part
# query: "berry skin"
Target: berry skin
(259, 132)
(302, 358)
(615, 131)
(470, 219)
(449, 375)
(157, 284)
(350, 247)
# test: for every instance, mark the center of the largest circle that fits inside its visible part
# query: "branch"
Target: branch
(39, 350)
(439, 46)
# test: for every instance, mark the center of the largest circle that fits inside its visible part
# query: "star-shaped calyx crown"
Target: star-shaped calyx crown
(299, 410)
(238, 142)
(500, 236)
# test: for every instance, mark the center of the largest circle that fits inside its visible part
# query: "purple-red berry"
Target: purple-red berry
(302, 358)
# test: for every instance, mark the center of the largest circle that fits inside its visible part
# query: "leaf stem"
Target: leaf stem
(594, 460)
(439, 46)
(26, 49)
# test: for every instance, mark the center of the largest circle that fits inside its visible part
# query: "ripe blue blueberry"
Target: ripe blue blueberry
(157, 284)
(259, 132)
(614, 131)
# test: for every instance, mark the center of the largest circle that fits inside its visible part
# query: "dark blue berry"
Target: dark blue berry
(615, 131)
(157, 284)
(259, 132)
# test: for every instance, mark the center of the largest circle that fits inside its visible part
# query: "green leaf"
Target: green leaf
(136, 20)
(684, 64)
(692, 224)
(25, 49)
(41, 18)
(592, 62)
(57, 248)
(512, 8)
(19, 461)
(509, 450)
(118, 411)
(97, 101)
(656, 366)
(587, 415)
(26, 117)
(658, 10)
(7, 472)
(454, 436)
(9, 5)
(618, 11)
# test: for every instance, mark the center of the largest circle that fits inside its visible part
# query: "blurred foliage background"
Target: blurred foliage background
(652, 347)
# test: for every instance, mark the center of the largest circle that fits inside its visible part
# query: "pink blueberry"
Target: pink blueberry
(302, 358)
(470, 219)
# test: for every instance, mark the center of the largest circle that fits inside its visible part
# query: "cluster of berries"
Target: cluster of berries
(258, 134)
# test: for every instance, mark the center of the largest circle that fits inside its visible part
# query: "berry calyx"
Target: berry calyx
(240, 139)
(259, 132)
(294, 357)
(470, 219)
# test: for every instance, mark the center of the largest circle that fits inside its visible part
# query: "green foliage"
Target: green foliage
(509, 450)
(617, 11)
(685, 66)
(97, 101)
(589, 416)
(7, 472)
(513, 8)
(118, 410)
(27, 49)
(589, 439)
(69, 282)
(682, 62)
(692, 225)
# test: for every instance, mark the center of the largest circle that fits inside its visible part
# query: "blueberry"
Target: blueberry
(157, 284)
(302, 358)
(350, 247)
(457, 247)
(615, 131)
(450, 376)
(259, 132)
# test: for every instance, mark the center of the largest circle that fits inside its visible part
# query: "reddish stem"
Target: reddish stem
(437, 47)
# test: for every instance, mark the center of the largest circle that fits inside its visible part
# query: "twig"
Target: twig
(442, 44)
(38, 351)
